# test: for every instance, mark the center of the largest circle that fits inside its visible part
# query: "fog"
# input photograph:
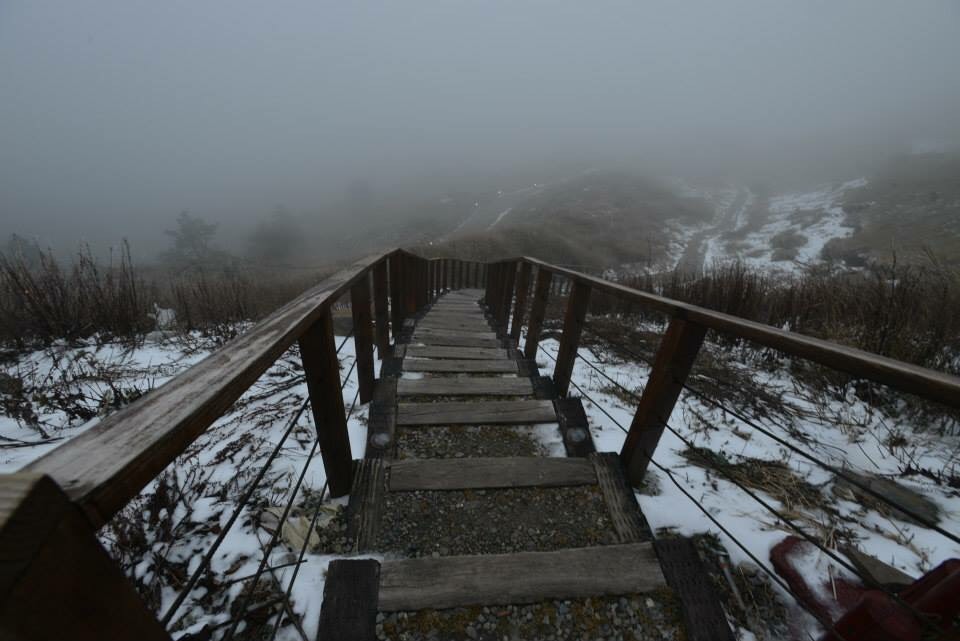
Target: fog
(115, 115)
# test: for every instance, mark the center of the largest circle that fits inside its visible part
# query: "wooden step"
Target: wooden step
(486, 473)
(479, 326)
(456, 340)
(453, 319)
(429, 332)
(458, 353)
(502, 366)
(465, 386)
(467, 413)
(456, 310)
(525, 577)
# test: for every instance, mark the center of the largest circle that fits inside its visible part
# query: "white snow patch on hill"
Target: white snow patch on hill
(816, 215)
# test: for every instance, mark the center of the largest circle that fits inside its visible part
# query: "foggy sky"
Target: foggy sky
(117, 114)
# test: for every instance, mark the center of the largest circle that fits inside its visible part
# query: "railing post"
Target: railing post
(319, 353)
(437, 279)
(396, 294)
(363, 336)
(675, 356)
(570, 339)
(57, 580)
(538, 310)
(424, 283)
(492, 296)
(380, 308)
(410, 285)
(446, 274)
(509, 276)
(523, 285)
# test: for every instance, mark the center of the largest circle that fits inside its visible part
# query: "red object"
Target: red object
(877, 617)
(861, 614)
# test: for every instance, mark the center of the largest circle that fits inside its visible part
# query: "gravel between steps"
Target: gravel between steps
(638, 617)
(444, 523)
(467, 441)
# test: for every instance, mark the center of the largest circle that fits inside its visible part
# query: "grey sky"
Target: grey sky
(117, 114)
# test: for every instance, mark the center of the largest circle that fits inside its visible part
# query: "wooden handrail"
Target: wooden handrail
(925, 383)
(107, 466)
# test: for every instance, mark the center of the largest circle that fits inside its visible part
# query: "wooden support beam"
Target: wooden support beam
(319, 353)
(675, 357)
(538, 310)
(570, 339)
(380, 309)
(363, 337)
(349, 610)
(56, 580)
(397, 302)
(523, 286)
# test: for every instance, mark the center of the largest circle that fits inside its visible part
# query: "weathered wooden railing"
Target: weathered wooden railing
(56, 580)
(510, 281)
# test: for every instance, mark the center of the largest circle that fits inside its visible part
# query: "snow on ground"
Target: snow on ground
(846, 434)
(74, 386)
(215, 470)
(211, 474)
(817, 216)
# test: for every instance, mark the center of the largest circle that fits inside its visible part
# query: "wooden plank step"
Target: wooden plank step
(455, 327)
(467, 413)
(525, 577)
(453, 318)
(429, 332)
(503, 366)
(483, 473)
(455, 340)
(456, 315)
(465, 386)
(459, 353)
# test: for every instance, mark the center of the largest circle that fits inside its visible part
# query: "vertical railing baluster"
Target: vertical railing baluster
(538, 311)
(570, 338)
(397, 300)
(318, 351)
(675, 357)
(363, 336)
(509, 277)
(523, 286)
(380, 309)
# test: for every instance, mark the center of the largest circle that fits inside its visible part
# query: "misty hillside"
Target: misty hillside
(596, 220)
(911, 207)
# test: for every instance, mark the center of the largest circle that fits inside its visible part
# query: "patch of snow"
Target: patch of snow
(500, 217)
(845, 433)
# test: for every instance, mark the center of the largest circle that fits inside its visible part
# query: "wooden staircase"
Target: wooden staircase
(451, 369)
